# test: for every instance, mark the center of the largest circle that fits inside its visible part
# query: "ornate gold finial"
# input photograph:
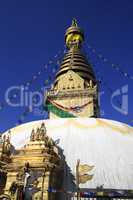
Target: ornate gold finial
(43, 128)
(74, 22)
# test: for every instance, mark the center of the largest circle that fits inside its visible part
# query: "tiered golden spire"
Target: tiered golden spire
(74, 59)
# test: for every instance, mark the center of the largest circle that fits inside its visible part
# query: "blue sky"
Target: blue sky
(32, 32)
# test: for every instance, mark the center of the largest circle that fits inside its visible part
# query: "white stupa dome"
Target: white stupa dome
(106, 144)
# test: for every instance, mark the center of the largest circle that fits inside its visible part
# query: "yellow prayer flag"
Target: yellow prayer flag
(84, 168)
(100, 193)
(84, 178)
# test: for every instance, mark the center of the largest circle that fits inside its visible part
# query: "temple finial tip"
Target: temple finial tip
(74, 22)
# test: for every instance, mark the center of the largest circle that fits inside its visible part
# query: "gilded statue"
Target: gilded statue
(32, 137)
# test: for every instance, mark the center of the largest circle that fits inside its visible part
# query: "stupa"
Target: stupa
(74, 154)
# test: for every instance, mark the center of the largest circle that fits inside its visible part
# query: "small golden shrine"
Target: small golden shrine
(31, 170)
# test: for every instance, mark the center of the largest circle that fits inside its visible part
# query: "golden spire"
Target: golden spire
(74, 36)
(74, 59)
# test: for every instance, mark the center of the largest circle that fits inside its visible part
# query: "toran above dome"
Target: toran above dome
(74, 59)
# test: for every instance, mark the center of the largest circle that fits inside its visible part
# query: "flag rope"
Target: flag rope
(117, 67)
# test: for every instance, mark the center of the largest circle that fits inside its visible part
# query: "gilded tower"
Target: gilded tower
(74, 92)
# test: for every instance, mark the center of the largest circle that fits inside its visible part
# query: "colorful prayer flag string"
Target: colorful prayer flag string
(30, 82)
(114, 66)
(104, 83)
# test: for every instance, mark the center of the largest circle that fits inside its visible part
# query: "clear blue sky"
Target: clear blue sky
(32, 32)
